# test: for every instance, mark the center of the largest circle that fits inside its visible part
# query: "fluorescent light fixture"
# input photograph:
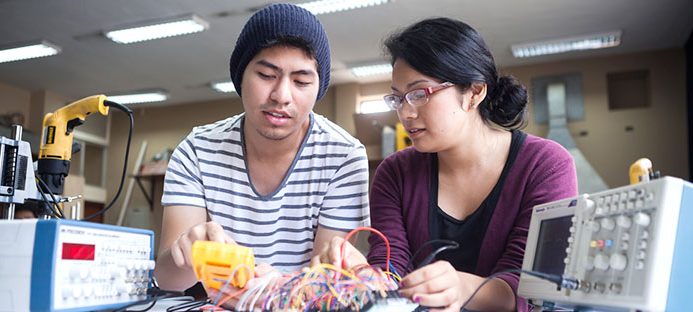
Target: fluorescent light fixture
(578, 43)
(28, 51)
(373, 106)
(164, 29)
(140, 97)
(371, 70)
(223, 86)
(331, 6)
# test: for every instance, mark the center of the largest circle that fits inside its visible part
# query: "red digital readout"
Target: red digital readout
(78, 251)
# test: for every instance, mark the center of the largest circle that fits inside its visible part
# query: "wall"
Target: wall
(659, 130)
(659, 133)
(14, 100)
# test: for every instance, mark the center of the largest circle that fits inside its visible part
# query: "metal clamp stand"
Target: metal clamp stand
(12, 163)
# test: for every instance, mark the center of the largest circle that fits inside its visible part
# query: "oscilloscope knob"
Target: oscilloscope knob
(589, 264)
(601, 261)
(589, 206)
(618, 262)
(641, 219)
(594, 225)
(608, 224)
(623, 221)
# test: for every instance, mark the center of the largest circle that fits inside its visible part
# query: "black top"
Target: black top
(468, 233)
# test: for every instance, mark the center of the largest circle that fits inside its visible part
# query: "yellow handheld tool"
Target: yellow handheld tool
(402, 138)
(56, 139)
(640, 171)
(214, 263)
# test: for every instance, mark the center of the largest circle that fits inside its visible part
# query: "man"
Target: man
(277, 178)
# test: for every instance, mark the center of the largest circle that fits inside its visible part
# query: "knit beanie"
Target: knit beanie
(272, 22)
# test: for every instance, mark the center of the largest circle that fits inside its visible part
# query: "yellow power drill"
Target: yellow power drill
(56, 139)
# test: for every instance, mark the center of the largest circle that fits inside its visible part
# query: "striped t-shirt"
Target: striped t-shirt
(326, 185)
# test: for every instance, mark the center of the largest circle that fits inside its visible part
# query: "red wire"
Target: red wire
(364, 228)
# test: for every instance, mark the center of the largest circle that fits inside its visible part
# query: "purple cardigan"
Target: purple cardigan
(542, 172)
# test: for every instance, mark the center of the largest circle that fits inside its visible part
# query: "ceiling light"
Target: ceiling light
(163, 29)
(140, 97)
(331, 6)
(224, 86)
(373, 106)
(28, 51)
(578, 43)
(371, 70)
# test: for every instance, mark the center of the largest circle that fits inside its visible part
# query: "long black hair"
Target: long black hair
(450, 50)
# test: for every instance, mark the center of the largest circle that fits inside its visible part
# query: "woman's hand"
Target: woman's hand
(332, 253)
(438, 285)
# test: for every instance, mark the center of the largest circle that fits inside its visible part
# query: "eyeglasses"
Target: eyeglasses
(417, 97)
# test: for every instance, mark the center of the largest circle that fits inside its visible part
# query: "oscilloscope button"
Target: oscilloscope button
(87, 290)
(76, 291)
(641, 255)
(642, 244)
(67, 291)
(640, 265)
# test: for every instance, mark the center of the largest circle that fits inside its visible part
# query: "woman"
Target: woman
(471, 176)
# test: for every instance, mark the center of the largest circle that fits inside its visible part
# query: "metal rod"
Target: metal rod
(10, 211)
(75, 211)
(17, 132)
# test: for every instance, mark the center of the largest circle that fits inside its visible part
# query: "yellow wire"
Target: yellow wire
(393, 275)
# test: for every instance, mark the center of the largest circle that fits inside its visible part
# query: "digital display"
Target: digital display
(551, 245)
(78, 251)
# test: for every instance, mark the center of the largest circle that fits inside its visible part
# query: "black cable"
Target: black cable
(154, 293)
(560, 281)
(187, 306)
(57, 213)
(450, 244)
(125, 163)
(151, 301)
(55, 201)
(46, 202)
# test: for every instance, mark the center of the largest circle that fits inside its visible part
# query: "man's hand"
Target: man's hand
(262, 271)
(181, 249)
(332, 253)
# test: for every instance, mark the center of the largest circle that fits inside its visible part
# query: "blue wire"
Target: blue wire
(221, 291)
(393, 269)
